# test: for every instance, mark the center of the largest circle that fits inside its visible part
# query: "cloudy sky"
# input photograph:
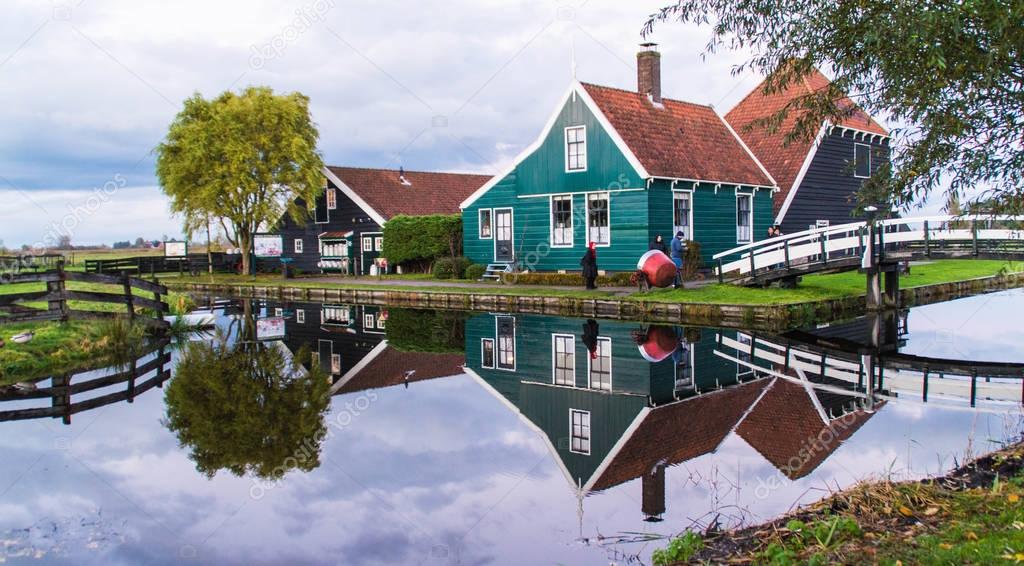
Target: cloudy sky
(88, 88)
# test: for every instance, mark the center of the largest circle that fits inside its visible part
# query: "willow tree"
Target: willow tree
(950, 73)
(242, 159)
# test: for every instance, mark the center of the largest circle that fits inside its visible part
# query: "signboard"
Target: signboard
(270, 328)
(268, 245)
(175, 249)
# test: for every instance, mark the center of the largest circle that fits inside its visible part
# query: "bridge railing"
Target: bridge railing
(950, 235)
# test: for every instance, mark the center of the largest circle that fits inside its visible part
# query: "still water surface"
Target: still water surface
(488, 438)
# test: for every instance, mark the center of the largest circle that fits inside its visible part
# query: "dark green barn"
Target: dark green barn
(618, 168)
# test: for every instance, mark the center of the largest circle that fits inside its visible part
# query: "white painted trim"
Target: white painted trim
(328, 195)
(494, 230)
(868, 176)
(574, 193)
(752, 239)
(586, 225)
(614, 452)
(554, 358)
(809, 389)
(862, 133)
(497, 344)
(565, 146)
(709, 182)
(575, 89)
(347, 191)
(692, 230)
(372, 355)
(611, 373)
(551, 221)
(791, 195)
(299, 246)
(480, 224)
(747, 149)
(590, 431)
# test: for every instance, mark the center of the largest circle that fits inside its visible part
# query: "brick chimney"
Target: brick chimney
(648, 71)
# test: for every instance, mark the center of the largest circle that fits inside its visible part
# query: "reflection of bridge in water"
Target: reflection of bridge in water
(873, 369)
(70, 394)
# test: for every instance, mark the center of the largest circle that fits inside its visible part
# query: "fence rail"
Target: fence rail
(57, 296)
(151, 265)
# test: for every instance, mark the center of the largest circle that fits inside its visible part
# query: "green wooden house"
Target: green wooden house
(611, 415)
(618, 168)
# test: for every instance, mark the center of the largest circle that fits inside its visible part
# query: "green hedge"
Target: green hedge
(422, 238)
(475, 271)
(427, 331)
(449, 268)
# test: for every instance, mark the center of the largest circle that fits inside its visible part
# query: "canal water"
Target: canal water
(305, 433)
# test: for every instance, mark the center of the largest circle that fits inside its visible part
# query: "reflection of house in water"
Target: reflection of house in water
(617, 401)
(349, 342)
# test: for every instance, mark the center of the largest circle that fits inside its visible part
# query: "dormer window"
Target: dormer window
(575, 149)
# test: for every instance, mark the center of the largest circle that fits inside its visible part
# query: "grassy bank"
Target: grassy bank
(56, 347)
(974, 515)
(178, 302)
(812, 288)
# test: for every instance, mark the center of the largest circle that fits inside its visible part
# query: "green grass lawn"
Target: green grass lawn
(812, 288)
(178, 302)
(66, 347)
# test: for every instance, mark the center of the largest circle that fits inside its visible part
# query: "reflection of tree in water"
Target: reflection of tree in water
(247, 407)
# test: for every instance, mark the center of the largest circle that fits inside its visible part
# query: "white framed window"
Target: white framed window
(336, 364)
(861, 160)
(332, 199)
(298, 245)
(485, 224)
(278, 312)
(561, 221)
(368, 321)
(599, 228)
(600, 366)
(506, 332)
(579, 431)
(575, 149)
(300, 316)
(487, 353)
(563, 364)
(381, 321)
(367, 243)
(744, 219)
(682, 214)
(684, 368)
(378, 243)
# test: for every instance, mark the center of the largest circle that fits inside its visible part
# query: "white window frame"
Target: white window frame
(369, 320)
(381, 322)
(590, 363)
(582, 156)
(562, 243)
(483, 356)
(300, 316)
(608, 199)
(332, 199)
(676, 195)
(378, 243)
(571, 351)
(750, 214)
(278, 312)
(585, 441)
(497, 345)
(367, 243)
(299, 245)
(480, 223)
(855, 146)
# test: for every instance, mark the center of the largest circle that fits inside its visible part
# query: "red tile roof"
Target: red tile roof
(789, 432)
(390, 366)
(426, 193)
(674, 433)
(682, 140)
(784, 161)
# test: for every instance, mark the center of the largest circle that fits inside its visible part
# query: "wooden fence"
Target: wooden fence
(62, 389)
(57, 296)
(151, 265)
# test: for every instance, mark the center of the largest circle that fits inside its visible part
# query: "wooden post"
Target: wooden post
(824, 251)
(57, 288)
(927, 240)
(721, 276)
(924, 387)
(974, 387)
(974, 239)
(753, 269)
(785, 251)
(126, 282)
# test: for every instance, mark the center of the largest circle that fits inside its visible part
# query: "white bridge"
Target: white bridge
(858, 245)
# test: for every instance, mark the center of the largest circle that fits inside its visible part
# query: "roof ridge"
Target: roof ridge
(385, 170)
(635, 93)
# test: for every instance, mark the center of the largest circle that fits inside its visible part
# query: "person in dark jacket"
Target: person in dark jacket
(659, 244)
(589, 263)
(591, 330)
(678, 253)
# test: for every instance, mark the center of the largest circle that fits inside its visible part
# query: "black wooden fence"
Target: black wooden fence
(151, 265)
(57, 296)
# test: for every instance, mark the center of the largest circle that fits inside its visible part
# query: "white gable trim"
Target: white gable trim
(747, 149)
(369, 357)
(575, 89)
(347, 191)
(825, 128)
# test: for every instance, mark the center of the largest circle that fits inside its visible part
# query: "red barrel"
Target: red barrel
(658, 267)
(660, 343)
